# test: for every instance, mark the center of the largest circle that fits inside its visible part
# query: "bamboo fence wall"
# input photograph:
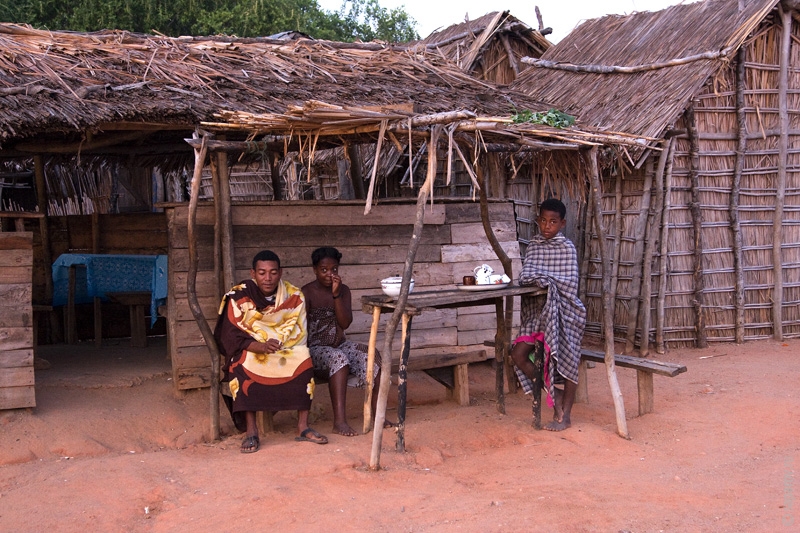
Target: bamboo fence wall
(762, 196)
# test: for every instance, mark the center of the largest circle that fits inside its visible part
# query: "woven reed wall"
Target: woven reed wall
(716, 119)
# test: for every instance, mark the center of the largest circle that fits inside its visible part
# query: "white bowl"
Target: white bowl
(391, 286)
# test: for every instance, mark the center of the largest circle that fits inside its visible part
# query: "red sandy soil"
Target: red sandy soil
(112, 447)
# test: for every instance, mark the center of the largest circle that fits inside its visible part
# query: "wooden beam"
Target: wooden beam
(780, 193)
(71, 148)
(733, 207)
(701, 340)
(608, 305)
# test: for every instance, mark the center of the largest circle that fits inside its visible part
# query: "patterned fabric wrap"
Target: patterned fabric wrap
(553, 264)
(331, 352)
(278, 381)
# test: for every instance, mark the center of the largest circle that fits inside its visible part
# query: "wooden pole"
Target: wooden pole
(219, 286)
(191, 288)
(226, 221)
(697, 225)
(608, 310)
(402, 299)
(502, 349)
(736, 228)
(356, 170)
(275, 177)
(373, 337)
(664, 259)
(402, 383)
(97, 304)
(652, 229)
(44, 234)
(638, 260)
(783, 155)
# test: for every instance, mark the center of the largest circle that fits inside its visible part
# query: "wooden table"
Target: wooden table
(419, 302)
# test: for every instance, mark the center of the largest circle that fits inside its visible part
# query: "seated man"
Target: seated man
(329, 315)
(551, 262)
(261, 331)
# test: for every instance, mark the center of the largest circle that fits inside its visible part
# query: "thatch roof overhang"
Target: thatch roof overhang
(665, 59)
(111, 92)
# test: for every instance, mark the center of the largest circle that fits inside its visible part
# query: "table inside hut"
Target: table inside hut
(417, 303)
(136, 281)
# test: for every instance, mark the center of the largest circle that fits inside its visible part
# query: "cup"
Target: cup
(469, 280)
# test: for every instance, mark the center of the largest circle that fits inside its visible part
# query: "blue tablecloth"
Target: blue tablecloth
(98, 274)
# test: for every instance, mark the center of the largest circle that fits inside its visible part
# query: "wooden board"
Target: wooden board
(16, 338)
(15, 317)
(21, 376)
(315, 236)
(662, 368)
(305, 215)
(17, 397)
(471, 232)
(16, 358)
(477, 253)
(471, 212)
(16, 274)
(15, 258)
(17, 240)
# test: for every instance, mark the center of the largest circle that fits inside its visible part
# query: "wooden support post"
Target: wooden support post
(460, 390)
(44, 233)
(191, 289)
(647, 267)
(265, 422)
(644, 383)
(219, 286)
(402, 384)
(226, 221)
(275, 176)
(640, 231)
(356, 171)
(701, 340)
(582, 394)
(500, 354)
(69, 319)
(98, 305)
(664, 254)
(538, 383)
(608, 309)
(368, 392)
(780, 192)
(733, 211)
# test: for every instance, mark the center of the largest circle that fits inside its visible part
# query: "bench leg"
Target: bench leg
(460, 390)
(264, 422)
(582, 394)
(644, 382)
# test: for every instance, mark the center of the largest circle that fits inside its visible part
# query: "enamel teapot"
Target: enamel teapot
(483, 274)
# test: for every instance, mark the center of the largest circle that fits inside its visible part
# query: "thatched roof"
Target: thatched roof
(489, 47)
(643, 103)
(71, 86)
(70, 82)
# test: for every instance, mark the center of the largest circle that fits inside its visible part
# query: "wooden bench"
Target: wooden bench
(645, 368)
(448, 366)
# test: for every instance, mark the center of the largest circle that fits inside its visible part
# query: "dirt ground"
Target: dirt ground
(112, 447)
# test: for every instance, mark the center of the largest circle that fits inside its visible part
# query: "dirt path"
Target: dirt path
(111, 447)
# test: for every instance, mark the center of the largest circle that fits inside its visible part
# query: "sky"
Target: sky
(561, 15)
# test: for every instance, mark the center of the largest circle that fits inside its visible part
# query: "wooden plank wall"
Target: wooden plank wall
(373, 247)
(16, 321)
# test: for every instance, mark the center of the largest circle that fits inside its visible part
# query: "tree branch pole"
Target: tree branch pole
(191, 288)
(501, 341)
(402, 299)
(697, 225)
(736, 227)
(608, 309)
(780, 192)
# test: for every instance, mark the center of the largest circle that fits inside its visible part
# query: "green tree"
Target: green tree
(362, 20)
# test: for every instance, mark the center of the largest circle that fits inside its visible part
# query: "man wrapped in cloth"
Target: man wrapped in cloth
(261, 331)
(551, 262)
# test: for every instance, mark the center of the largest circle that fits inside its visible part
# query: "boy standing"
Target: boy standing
(551, 262)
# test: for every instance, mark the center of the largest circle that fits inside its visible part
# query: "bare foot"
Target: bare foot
(344, 429)
(389, 424)
(558, 425)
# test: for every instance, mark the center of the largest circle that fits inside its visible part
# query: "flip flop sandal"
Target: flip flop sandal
(317, 437)
(250, 445)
